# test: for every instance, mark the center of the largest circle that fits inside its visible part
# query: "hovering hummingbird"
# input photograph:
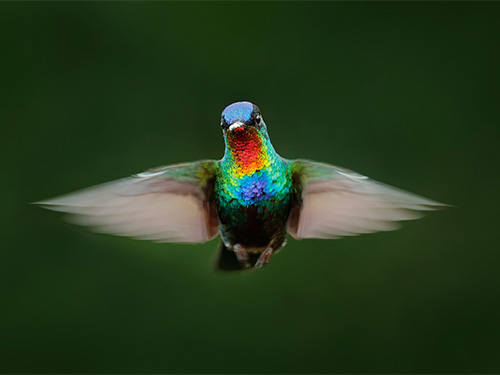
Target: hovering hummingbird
(252, 196)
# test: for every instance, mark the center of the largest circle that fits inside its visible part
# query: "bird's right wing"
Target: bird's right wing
(333, 202)
(166, 204)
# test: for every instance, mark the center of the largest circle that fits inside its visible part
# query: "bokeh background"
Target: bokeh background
(407, 93)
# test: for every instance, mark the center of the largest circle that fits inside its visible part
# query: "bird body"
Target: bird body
(252, 197)
(253, 190)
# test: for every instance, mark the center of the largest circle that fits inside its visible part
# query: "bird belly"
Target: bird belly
(253, 209)
(253, 226)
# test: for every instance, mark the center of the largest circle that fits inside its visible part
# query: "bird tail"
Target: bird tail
(227, 262)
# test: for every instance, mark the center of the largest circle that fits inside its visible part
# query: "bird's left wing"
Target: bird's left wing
(166, 204)
(333, 202)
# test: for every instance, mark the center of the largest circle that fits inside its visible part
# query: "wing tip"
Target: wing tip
(435, 206)
(40, 203)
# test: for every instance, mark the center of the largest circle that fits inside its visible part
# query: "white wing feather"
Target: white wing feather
(337, 202)
(152, 206)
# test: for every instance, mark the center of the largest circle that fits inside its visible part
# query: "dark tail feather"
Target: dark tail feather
(227, 261)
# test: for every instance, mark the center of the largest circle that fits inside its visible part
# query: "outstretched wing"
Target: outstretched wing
(166, 204)
(333, 202)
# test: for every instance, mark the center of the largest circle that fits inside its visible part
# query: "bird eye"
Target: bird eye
(258, 120)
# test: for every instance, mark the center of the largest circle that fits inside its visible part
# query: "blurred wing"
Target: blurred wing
(334, 202)
(166, 204)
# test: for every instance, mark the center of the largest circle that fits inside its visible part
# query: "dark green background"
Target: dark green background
(407, 93)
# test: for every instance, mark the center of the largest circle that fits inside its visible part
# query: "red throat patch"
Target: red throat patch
(245, 145)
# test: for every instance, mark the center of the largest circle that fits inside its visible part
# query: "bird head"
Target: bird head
(241, 117)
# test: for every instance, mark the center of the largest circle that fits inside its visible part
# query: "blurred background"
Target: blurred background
(406, 93)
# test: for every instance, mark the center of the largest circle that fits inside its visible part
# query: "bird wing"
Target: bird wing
(333, 202)
(165, 204)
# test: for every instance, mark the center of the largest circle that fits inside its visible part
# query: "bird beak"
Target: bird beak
(236, 125)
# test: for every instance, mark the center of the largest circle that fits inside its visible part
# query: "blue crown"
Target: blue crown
(238, 111)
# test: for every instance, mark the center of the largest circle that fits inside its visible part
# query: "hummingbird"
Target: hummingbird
(252, 197)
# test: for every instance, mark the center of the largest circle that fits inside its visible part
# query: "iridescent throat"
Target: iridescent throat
(247, 149)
